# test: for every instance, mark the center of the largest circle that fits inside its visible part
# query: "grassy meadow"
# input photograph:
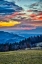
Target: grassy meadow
(21, 57)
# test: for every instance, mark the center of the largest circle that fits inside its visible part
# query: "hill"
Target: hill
(6, 37)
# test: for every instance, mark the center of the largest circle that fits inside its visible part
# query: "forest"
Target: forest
(30, 42)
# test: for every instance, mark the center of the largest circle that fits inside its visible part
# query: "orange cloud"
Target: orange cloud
(32, 15)
(9, 23)
(37, 17)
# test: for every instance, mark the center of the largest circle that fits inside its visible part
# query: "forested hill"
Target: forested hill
(30, 42)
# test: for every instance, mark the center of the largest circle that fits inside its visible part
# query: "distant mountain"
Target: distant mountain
(6, 37)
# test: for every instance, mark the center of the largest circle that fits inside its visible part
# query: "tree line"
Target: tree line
(26, 43)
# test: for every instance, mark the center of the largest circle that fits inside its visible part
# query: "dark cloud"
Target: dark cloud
(37, 6)
(8, 7)
(40, 0)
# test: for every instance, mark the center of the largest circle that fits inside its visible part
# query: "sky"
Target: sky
(21, 15)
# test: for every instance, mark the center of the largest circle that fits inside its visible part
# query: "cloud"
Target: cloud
(37, 6)
(11, 16)
(10, 23)
(25, 28)
(14, 17)
(40, 0)
(29, 24)
(7, 8)
(36, 17)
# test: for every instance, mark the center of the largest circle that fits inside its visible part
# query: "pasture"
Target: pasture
(21, 57)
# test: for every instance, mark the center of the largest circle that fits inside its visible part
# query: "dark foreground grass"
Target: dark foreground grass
(21, 57)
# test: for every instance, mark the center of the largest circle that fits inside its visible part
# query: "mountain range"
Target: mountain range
(6, 37)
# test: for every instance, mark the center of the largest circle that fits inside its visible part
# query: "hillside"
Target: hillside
(10, 42)
(6, 37)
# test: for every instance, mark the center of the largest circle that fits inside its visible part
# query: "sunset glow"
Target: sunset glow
(9, 23)
(20, 15)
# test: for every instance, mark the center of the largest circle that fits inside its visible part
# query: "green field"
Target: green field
(21, 57)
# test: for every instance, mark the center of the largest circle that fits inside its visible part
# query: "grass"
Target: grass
(21, 57)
